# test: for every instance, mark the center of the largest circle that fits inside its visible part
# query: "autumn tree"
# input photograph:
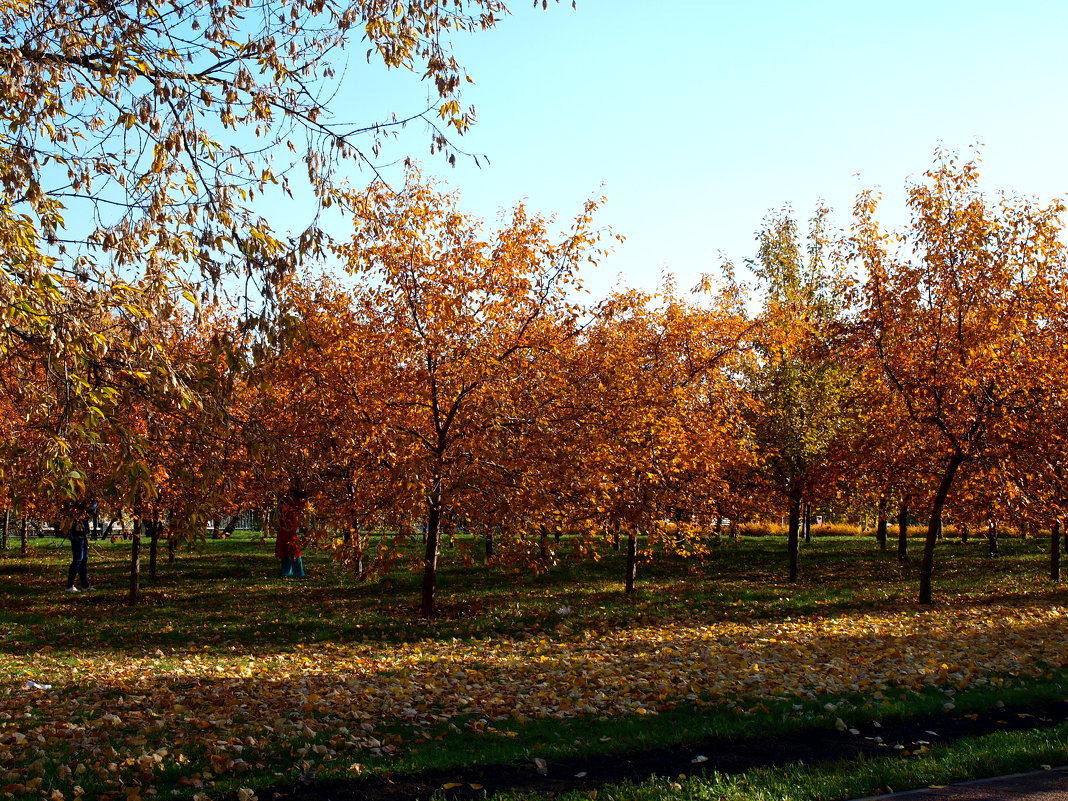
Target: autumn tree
(961, 311)
(178, 470)
(441, 320)
(645, 452)
(301, 437)
(889, 463)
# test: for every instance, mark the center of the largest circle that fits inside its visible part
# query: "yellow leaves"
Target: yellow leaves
(341, 702)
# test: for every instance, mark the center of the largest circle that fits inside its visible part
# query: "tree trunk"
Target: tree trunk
(632, 558)
(880, 530)
(154, 529)
(792, 539)
(616, 544)
(680, 538)
(172, 546)
(934, 524)
(135, 563)
(543, 546)
(964, 532)
(231, 526)
(808, 524)
(7, 529)
(489, 544)
(719, 526)
(992, 539)
(430, 556)
(24, 534)
(903, 532)
(1055, 551)
(216, 528)
(359, 567)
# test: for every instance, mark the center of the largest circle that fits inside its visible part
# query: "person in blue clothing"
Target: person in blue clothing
(78, 532)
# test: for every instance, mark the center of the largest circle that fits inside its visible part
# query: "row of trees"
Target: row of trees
(450, 378)
(138, 144)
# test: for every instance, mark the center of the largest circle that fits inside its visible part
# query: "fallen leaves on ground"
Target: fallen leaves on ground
(123, 720)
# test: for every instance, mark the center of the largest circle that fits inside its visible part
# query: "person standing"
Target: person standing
(287, 544)
(78, 532)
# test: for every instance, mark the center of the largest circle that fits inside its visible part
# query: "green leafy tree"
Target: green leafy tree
(798, 382)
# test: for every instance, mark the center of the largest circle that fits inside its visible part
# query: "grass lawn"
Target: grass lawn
(226, 677)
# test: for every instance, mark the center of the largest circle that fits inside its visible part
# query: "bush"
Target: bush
(772, 528)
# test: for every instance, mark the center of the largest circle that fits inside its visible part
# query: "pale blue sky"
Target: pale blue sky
(699, 117)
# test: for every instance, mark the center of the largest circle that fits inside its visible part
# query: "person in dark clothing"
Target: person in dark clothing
(79, 547)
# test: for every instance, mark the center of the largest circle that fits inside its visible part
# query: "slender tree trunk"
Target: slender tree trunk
(24, 535)
(135, 563)
(933, 526)
(792, 539)
(632, 558)
(359, 568)
(880, 530)
(154, 529)
(992, 539)
(430, 556)
(680, 537)
(1055, 551)
(489, 543)
(543, 546)
(216, 527)
(964, 532)
(172, 547)
(7, 529)
(808, 524)
(616, 543)
(903, 532)
(719, 526)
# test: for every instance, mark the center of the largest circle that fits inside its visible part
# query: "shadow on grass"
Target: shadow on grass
(227, 594)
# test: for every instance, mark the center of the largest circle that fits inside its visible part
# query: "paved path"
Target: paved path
(1042, 785)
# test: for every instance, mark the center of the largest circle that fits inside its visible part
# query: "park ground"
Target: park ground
(227, 682)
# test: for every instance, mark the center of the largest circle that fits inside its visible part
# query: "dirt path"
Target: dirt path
(591, 772)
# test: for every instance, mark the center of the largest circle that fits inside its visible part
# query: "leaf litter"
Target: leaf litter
(123, 720)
